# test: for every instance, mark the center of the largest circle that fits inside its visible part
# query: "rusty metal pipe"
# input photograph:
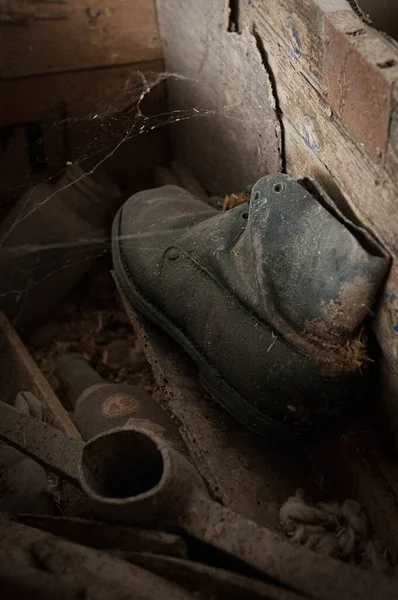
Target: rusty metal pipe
(133, 476)
(129, 474)
(76, 376)
(101, 406)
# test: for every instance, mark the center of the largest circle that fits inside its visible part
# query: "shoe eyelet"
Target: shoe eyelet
(245, 216)
(278, 188)
(173, 254)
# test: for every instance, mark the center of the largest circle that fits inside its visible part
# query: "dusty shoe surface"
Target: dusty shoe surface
(269, 299)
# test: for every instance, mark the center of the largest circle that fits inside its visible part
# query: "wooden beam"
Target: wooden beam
(41, 37)
(253, 475)
(91, 93)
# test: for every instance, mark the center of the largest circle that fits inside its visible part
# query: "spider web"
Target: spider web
(98, 139)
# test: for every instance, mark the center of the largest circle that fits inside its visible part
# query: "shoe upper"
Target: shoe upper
(272, 295)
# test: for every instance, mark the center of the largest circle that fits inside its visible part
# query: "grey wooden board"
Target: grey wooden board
(253, 476)
(19, 372)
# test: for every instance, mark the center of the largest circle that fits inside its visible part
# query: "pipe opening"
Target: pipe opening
(121, 464)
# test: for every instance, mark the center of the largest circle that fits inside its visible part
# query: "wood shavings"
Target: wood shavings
(233, 200)
(93, 323)
(15, 18)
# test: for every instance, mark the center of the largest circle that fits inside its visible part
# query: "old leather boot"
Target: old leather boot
(269, 299)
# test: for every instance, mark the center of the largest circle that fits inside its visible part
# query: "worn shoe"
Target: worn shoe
(269, 299)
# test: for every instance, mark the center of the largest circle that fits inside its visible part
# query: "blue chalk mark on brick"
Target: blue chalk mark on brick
(310, 135)
(391, 307)
(292, 39)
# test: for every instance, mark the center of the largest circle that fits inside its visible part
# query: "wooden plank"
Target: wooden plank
(19, 372)
(356, 88)
(41, 37)
(251, 475)
(392, 151)
(37, 564)
(349, 64)
(254, 475)
(107, 536)
(83, 114)
(98, 93)
(344, 145)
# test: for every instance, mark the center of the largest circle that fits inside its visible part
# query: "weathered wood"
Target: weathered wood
(392, 150)
(44, 37)
(97, 93)
(251, 475)
(215, 582)
(106, 536)
(356, 80)
(19, 372)
(35, 561)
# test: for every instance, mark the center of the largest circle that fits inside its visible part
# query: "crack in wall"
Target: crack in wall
(233, 11)
(278, 111)
(358, 11)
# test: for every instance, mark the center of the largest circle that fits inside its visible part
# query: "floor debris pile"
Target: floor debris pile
(135, 477)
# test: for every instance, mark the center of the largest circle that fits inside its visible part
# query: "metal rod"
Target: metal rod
(76, 376)
(45, 444)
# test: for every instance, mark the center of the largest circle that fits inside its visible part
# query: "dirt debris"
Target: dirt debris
(93, 323)
(233, 200)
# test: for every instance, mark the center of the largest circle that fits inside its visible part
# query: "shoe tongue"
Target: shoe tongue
(313, 272)
(290, 261)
